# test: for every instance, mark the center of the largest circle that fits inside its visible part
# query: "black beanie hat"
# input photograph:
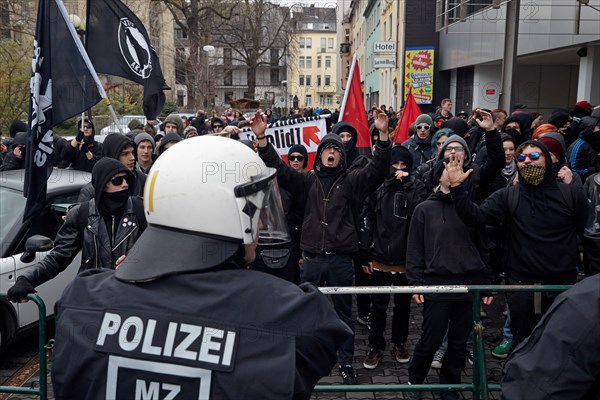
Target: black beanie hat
(104, 170)
(298, 148)
(401, 153)
(16, 126)
(458, 125)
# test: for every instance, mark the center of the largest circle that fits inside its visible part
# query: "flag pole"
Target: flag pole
(87, 61)
(351, 74)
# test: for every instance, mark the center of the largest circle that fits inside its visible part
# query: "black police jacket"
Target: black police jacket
(218, 334)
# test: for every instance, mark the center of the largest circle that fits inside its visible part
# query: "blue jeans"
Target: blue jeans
(506, 328)
(333, 270)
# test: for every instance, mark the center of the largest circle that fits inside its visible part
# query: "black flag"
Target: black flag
(118, 44)
(62, 86)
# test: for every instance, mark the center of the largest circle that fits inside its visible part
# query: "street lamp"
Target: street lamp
(285, 111)
(208, 49)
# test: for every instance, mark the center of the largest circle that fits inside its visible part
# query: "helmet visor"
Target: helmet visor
(267, 221)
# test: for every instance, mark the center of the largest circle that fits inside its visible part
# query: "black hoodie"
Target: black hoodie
(542, 230)
(330, 215)
(350, 147)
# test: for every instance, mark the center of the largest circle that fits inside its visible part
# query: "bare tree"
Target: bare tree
(256, 28)
(198, 19)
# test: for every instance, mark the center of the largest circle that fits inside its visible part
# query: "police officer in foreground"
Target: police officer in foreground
(182, 317)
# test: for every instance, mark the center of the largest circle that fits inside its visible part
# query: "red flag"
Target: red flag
(409, 115)
(353, 109)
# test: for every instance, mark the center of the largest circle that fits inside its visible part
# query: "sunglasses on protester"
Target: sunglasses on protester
(118, 180)
(458, 149)
(423, 127)
(534, 155)
(217, 126)
(296, 158)
(87, 126)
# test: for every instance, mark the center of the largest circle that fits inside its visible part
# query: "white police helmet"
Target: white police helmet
(213, 188)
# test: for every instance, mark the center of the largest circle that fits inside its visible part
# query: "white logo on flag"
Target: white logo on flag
(134, 48)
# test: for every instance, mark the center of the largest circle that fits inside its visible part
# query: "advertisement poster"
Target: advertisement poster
(418, 68)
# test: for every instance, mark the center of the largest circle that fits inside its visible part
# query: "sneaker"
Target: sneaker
(469, 357)
(372, 359)
(437, 360)
(502, 350)
(347, 372)
(364, 320)
(400, 353)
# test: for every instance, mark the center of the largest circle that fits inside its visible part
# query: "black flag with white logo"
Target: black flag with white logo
(118, 44)
(61, 86)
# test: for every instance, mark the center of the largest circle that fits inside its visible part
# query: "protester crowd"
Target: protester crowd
(485, 197)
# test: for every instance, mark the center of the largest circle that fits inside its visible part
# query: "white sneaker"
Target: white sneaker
(437, 360)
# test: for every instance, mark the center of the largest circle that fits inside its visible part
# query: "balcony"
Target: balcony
(345, 48)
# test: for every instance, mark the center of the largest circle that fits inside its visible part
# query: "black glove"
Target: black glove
(20, 290)
(84, 148)
(79, 136)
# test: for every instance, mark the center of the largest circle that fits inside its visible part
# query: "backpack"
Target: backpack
(513, 197)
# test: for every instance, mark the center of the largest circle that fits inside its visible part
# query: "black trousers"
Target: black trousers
(457, 316)
(363, 301)
(379, 306)
(522, 310)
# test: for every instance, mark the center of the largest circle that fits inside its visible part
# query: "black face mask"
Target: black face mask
(112, 202)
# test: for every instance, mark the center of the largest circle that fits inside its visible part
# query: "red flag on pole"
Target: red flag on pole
(409, 115)
(353, 109)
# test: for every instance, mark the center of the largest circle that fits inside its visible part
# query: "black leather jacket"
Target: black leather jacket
(92, 237)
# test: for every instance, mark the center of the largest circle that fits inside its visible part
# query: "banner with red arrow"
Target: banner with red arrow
(284, 134)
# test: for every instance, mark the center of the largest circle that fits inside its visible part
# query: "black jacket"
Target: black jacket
(560, 359)
(74, 158)
(442, 249)
(542, 231)
(420, 150)
(224, 333)
(92, 237)
(330, 215)
(393, 205)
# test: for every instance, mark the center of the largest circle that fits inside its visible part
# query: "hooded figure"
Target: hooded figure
(520, 134)
(15, 127)
(349, 145)
(582, 155)
(169, 138)
(298, 148)
(419, 143)
(103, 228)
(16, 158)
(174, 119)
(135, 126)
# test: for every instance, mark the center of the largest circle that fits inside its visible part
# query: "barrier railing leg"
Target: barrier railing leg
(479, 367)
(42, 346)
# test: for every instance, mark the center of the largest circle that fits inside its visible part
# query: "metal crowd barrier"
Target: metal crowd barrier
(42, 390)
(479, 387)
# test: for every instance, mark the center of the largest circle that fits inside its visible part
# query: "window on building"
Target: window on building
(228, 97)
(274, 54)
(327, 61)
(301, 64)
(302, 42)
(227, 56)
(275, 76)
(330, 43)
(347, 35)
(323, 43)
(301, 80)
(180, 98)
(308, 100)
(318, 61)
(322, 99)
(327, 80)
(329, 100)
(228, 78)
(308, 62)
(309, 43)
(308, 80)
(390, 25)
(318, 80)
